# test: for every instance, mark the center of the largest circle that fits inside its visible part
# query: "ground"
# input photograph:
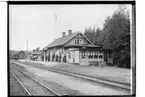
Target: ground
(15, 88)
(110, 73)
(71, 83)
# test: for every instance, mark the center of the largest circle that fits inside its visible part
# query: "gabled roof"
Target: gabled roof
(62, 40)
(25, 52)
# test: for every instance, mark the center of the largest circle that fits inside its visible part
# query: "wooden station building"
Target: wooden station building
(76, 48)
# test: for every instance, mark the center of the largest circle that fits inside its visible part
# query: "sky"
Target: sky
(40, 24)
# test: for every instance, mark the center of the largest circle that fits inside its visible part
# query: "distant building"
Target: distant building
(76, 48)
(12, 54)
(20, 55)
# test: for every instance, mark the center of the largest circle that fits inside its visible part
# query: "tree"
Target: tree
(90, 33)
(37, 49)
(93, 34)
(116, 33)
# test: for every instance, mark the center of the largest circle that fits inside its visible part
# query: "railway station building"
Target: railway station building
(76, 48)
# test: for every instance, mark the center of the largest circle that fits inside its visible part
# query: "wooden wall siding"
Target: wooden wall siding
(70, 59)
(71, 55)
(83, 62)
(82, 40)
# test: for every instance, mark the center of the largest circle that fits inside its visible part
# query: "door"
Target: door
(73, 54)
(77, 57)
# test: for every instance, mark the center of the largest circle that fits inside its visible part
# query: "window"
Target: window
(90, 55)
(77, 40)
(83, 54)
(100, 56)
(95, 55)
(86, 55)
(80, 41)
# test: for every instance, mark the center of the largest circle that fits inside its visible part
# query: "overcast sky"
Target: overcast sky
(38, 23)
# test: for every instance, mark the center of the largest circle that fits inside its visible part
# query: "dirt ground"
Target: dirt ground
(109, 73)
(76, 84)
(15, 88)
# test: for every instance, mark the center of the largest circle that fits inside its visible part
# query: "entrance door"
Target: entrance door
(75, 56)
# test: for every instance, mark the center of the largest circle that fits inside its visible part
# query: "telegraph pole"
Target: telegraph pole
(27, 45)
(27, 49)
(55, 24)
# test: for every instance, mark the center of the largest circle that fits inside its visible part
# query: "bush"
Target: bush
(109, 64)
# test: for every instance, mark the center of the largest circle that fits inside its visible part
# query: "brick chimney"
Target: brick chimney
(69, 32)
(63, 34)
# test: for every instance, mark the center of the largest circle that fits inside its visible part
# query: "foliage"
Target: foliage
(93, 35)
(37, 49)
(109, 64)
(115, 35)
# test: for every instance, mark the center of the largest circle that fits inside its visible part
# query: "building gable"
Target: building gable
(70, 40)
(79, 39)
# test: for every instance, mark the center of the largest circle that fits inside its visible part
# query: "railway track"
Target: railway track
(41, 88)
(112, 84)
(23, 87)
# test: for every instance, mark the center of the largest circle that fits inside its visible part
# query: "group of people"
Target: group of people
(55, 58)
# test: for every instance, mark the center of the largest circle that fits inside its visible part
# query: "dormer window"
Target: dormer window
(77, 40)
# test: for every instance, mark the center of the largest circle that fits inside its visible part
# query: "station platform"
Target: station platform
(109, 73)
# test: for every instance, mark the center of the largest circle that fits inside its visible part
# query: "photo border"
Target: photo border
(133, 36)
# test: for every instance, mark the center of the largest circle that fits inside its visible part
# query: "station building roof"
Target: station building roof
(61, 41)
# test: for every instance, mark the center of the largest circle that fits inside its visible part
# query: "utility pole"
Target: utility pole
(27, 49)
(27, 45)
(55, 24)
